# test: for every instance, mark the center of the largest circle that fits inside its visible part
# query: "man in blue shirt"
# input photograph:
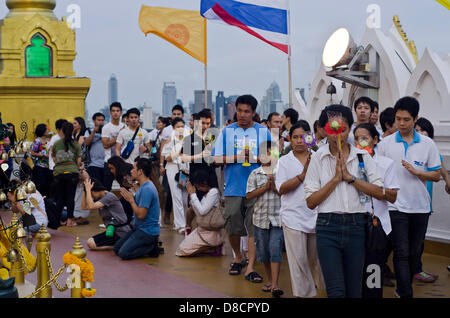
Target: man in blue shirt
(93, 139)
(142, 240)
(237, 149)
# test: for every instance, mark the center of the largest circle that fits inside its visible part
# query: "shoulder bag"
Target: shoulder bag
(129, 147)
(376, 238)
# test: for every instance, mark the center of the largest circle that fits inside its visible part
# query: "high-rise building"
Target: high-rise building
(273, 93)
(199, 100)
(169, 98)
(230, 107)
(113, 90)
(220, 104)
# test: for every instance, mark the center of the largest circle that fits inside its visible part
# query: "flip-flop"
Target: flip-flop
(267, 288)
(253, 277)
(277, 292)
(235, 269)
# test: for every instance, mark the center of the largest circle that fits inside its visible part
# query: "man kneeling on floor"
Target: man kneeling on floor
(142, 240)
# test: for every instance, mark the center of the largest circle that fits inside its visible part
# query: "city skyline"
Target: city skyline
(110, 41)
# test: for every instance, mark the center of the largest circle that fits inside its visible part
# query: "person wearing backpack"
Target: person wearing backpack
(203, 239)
(130, 142)
(94, 155)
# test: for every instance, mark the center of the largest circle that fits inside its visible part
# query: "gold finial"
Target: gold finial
(30, 7)
(43, 235)
(78, 250)
(409, 44)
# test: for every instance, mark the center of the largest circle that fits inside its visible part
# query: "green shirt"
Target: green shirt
(66, 161)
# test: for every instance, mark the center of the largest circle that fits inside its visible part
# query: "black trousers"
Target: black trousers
(66, 186)
(42, 179)
(97, 173)
(108, 178)
(408, 233)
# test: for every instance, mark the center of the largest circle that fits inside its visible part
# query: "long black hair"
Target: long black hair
(82, 124)
(425, 125)
(122, 168)
(67, 129)
(12, 136)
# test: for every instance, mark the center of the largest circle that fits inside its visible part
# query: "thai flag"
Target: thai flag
(265, 19)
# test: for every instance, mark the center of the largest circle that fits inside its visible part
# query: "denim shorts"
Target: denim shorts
(269, 244)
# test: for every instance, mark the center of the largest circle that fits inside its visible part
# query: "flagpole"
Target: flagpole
(206, 67)
(289, 58)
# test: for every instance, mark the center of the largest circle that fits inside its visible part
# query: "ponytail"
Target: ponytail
(67, 129)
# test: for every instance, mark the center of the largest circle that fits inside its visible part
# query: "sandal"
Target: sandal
(253, 277)
(235, 269)
(267, 288)
(277, 292)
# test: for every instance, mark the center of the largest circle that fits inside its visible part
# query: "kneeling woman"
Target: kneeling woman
(111, 211)
(202, 240)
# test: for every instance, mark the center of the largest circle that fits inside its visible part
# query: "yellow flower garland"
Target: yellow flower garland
(86, 269)
(88, 292)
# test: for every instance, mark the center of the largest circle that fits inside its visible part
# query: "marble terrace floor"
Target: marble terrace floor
(169, 276)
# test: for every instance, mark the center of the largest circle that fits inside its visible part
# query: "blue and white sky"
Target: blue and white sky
(110, 41)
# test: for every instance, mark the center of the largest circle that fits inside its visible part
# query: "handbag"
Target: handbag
(213, 220)
(376, 238)
(129, 147)
(180, 176)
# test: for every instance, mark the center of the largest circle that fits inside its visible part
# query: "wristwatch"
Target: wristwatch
(353, 180)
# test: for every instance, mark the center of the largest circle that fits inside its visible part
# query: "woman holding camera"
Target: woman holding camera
(177, 172)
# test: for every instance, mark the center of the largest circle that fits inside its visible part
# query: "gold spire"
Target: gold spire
(409, 44)
(20, 8)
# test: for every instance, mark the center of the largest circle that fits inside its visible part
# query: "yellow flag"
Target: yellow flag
(186, 29)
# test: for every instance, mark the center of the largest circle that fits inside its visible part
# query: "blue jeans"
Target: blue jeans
(408, 234)
(341, 248)
(135, 244)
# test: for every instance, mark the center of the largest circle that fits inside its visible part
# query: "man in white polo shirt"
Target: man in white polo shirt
(416, 159)
(109, 137)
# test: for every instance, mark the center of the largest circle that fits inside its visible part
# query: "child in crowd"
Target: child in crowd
(266, 217)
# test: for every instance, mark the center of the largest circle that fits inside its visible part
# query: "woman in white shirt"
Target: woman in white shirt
(366, 137)
(202, 241)
(171, 152)
(297, 219)
(333, 187)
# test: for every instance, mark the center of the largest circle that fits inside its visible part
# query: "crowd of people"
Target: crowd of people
(266, 186)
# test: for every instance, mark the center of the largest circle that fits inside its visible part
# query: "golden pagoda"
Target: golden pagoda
(37, 80)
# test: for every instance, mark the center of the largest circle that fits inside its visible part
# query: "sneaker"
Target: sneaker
(102, 226)
(424, 278)
(396, 295)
